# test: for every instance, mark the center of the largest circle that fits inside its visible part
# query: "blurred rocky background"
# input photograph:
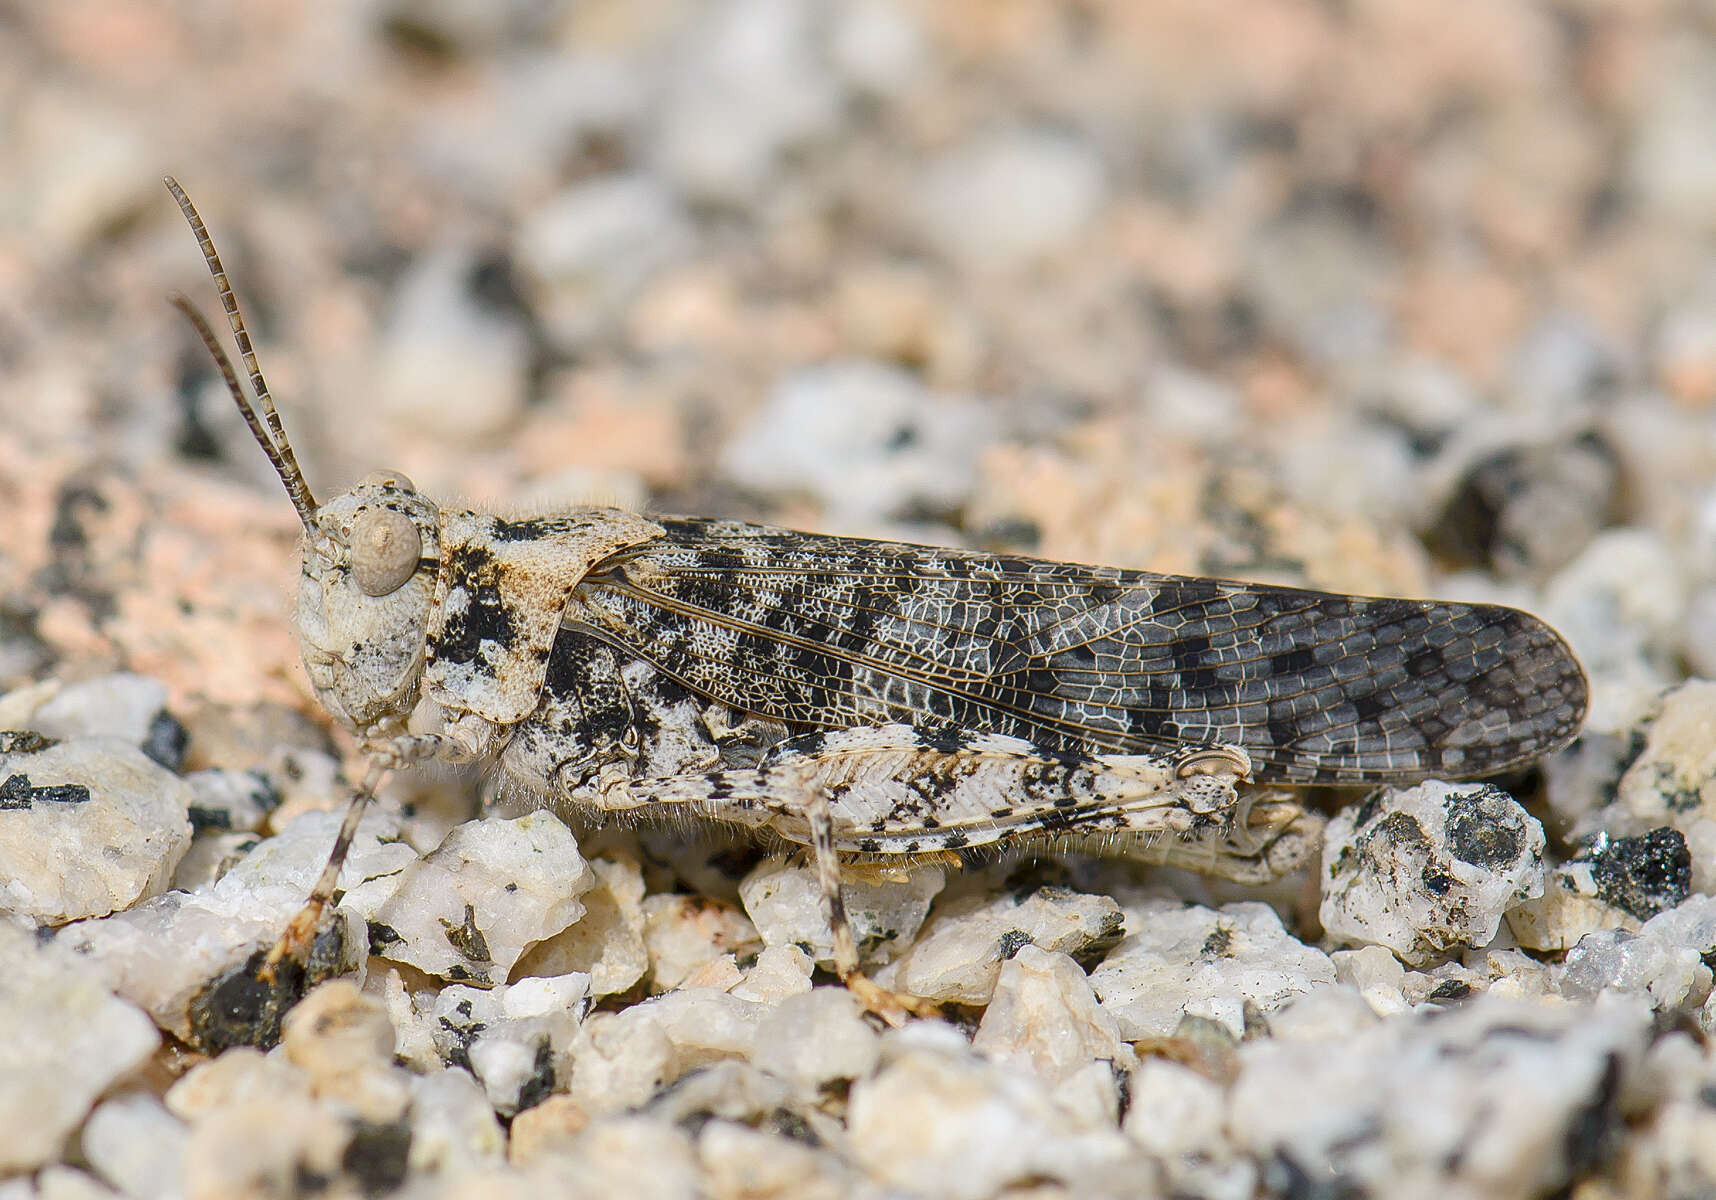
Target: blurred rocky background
(1384, 296)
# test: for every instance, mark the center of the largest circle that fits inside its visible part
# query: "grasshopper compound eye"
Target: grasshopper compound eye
(385, 547)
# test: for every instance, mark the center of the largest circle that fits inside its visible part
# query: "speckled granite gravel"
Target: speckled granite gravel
(1388, 297)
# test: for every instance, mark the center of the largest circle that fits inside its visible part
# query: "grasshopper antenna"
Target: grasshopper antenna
(272, 436)
(300, 494)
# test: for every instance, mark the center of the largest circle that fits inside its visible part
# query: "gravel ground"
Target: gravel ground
(1387, 297)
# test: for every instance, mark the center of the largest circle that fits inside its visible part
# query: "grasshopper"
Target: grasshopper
(877, 702)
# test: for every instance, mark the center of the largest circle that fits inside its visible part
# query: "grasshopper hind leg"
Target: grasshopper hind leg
(897, 794)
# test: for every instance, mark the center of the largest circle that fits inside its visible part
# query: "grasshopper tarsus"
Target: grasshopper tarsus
(892, 1008)
(296, 940)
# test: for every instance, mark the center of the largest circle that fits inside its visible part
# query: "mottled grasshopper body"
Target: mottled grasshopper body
(877, 701)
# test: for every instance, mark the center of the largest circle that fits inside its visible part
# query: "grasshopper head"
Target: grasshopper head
(370, 555)
(365, 598)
